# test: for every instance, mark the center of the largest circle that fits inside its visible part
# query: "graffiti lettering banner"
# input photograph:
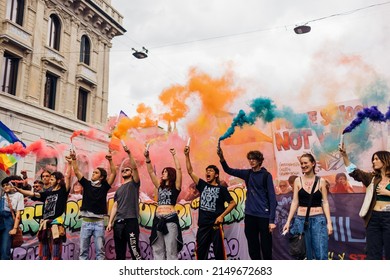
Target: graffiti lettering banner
(347, 242)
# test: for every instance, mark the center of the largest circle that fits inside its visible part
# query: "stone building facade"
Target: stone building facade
(54, 71)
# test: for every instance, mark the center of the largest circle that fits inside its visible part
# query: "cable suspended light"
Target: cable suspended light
(302, 29)
(140, 54)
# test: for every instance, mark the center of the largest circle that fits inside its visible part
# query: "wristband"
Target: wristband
(148, 161)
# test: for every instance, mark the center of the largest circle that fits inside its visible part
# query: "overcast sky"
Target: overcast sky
(255, 40)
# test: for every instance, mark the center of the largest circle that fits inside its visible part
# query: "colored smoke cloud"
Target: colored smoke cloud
(372, 113)
(265, 109)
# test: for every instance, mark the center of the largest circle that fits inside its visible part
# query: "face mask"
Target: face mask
(94, 183)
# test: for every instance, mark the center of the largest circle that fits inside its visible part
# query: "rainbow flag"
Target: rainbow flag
(7, 137)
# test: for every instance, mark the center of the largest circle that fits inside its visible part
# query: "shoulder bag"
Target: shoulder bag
(297, 245)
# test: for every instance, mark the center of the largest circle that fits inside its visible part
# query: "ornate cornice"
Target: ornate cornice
(101, 17)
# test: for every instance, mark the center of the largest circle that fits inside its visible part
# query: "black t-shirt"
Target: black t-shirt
(167, 196)
(94, 198)
(212, 202)
(54, 203)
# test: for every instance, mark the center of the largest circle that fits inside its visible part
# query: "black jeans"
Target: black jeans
(258, 237)
(378, 236)
(207, 235)
(126, 232)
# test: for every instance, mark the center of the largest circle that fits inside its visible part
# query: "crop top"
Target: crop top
(304, 196)
(383, 197)
(167, 196)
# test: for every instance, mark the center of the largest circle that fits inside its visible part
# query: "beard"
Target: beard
(126, 177)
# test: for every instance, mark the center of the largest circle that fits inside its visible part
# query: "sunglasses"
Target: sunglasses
(125, 170)
(36, 186)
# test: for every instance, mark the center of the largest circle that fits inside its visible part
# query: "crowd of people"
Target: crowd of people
(309, 211)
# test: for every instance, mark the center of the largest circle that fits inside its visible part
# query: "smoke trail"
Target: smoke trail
(387, 115)
(17, 148)
(265, 109)
(142, 120)
(89, 134)
(372, 113)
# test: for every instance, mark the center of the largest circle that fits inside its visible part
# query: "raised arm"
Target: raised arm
(190, 170)
(344, 155)
(133, 164)
(25, 178)
(111, 178)
(68, 173)
(150, 169)
(220, 154)
(75, 165)
(240, 173)
(356, 173)
(178, 169)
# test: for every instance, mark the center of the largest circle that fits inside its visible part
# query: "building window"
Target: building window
(15, 9)
(50, 91)
(85, 50)
(9, 73)
(82, 105)
(54, 32)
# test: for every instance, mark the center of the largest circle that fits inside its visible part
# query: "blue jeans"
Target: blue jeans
(316, 236)
(6, 224)
(89, 229)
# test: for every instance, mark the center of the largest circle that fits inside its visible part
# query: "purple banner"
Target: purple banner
(348, 240)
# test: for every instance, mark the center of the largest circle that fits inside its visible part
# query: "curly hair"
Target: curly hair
(257, 155)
